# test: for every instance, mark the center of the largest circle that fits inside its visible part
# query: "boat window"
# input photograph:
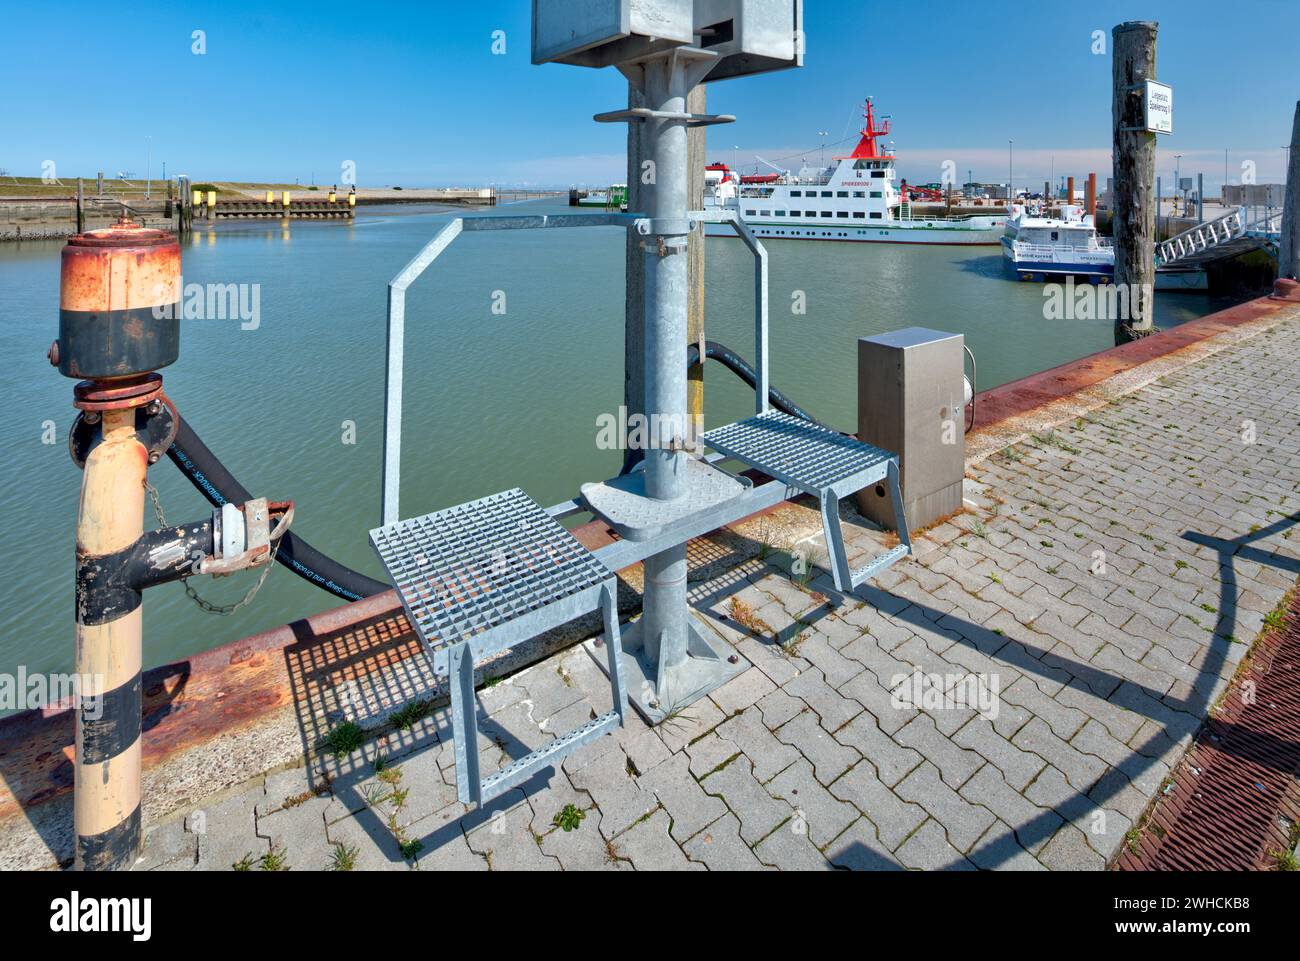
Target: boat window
(859, 193)
(875, 216)
(827, 213)
(749, 213)
(796, 193)
(858, 214)
(795, 213)
(780, 213)
(877, 173)
(841, 193)
(826, 193)
(765, 213)
(876, 195)
(843, 213)
(810, 213)
(1055, 236)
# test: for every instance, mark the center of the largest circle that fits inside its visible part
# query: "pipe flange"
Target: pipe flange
(155, 427)
(99, 395)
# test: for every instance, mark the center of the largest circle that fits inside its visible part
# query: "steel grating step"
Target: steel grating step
(470, 568)
(805, 455)
(824, 463)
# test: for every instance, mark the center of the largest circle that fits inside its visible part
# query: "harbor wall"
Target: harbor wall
(55, 219)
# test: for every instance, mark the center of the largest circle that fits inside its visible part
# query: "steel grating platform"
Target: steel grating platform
(826, 464)
(470, 568)
(805, 455)
(486, 575)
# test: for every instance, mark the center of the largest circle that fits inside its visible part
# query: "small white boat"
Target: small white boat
(1067, 245)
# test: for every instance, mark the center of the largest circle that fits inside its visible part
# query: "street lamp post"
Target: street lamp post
(148, 164)
(1011, 167)
(1178, 171)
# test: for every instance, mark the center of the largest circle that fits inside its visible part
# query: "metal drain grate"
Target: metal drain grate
(466, 569)
(800, 453)
(1235, 793)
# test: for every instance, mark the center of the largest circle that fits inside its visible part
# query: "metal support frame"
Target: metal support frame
(761, 382)
(397, 322)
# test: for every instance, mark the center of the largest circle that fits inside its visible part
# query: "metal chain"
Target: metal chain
(202, 603)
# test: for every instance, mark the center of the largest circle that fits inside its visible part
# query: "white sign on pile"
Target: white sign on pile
(1159, 101)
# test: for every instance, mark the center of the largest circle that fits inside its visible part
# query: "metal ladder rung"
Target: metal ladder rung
(521, 769)
(879, 563)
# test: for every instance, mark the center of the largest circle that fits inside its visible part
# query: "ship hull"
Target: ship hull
(905, 232)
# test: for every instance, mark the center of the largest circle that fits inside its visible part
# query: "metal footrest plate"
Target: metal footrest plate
(879, 563)
(623, 504)
(521, 769)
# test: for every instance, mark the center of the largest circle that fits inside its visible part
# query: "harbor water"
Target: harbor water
(514, 345)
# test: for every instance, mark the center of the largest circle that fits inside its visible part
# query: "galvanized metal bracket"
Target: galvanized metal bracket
(642, 114)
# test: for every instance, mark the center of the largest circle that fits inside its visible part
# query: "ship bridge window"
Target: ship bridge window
(877, 173)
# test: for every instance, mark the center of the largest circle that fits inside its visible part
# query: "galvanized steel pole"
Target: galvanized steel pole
(665, 610)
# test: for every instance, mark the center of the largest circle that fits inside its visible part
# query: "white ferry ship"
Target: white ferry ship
(854, 199)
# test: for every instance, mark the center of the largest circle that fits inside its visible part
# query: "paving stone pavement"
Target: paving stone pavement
(1081, 620)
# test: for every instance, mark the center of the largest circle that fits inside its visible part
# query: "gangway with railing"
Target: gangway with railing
(1237, 232)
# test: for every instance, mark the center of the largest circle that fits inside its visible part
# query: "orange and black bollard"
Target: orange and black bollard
(118, 324)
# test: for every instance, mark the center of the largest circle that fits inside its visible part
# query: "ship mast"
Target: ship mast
(866, 148)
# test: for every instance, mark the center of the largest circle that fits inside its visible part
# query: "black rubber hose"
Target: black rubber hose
(740, 367)
(219, 486)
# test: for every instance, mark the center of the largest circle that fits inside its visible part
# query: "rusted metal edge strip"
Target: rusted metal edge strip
(1225, 806)
(1018, 397)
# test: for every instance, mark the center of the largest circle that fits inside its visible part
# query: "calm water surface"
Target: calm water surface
(492, 400)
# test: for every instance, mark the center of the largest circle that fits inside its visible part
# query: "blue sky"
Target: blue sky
(413, 94)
